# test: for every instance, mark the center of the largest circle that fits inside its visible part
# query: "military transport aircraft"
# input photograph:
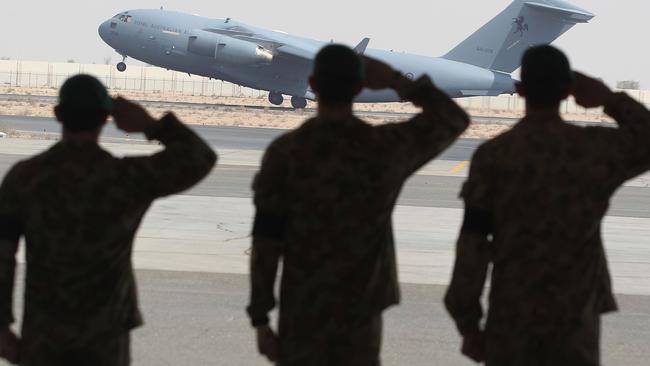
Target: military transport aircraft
(280, 63)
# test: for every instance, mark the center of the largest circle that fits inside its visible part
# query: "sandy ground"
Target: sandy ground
(238, 116)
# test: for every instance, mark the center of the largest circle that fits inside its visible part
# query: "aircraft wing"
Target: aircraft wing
(309, 52)
(301, 50)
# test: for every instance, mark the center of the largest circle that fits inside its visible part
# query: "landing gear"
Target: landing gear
(298, 103)
(276, 98)
(121, 67)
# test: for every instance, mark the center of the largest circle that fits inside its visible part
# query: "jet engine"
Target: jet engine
(228, 50)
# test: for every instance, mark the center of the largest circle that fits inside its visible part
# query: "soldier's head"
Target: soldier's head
(338, 75)
(546, 77)
(84, 104)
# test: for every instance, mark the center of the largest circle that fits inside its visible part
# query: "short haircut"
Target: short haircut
(338, 73)
(84, 103)
(75, 119)
(545, 75)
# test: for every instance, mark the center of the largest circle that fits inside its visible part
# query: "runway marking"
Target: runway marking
(458, 167)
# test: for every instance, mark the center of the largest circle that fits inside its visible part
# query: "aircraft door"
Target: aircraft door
(203, 43)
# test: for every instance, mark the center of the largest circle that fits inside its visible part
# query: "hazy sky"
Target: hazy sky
(611, 46)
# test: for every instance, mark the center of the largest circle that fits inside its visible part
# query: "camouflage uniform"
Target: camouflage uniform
(78, 208)
(324, 199)
(543, 188)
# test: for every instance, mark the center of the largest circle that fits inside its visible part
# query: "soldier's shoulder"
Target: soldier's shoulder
(284, 140)
(31, 165)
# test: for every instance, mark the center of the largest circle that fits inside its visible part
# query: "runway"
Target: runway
(192, 255)
(221, 137)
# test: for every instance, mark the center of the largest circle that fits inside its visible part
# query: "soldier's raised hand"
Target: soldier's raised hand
(379, 75)
(131, 117)
(590, 92)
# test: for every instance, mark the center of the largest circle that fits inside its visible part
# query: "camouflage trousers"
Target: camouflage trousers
(339, 344)
(577, 345)
(104, 351)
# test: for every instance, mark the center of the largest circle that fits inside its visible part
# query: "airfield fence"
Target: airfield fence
(148, 79)
(42, 75)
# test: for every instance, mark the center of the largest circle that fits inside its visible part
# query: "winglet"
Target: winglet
(361, 47)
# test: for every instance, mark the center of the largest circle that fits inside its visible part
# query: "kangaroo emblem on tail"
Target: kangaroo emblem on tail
(521, 25)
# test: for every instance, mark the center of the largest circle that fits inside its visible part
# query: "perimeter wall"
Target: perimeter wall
(148, 79)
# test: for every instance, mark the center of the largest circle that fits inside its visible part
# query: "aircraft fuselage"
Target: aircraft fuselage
(170, 40)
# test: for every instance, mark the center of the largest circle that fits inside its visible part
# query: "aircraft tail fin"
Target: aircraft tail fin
(361, 47)
(500, 44)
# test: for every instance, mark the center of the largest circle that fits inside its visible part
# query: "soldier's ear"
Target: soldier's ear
(358, 88)
(520, 89)
(58, 113)
(568, 91)
(313, 84)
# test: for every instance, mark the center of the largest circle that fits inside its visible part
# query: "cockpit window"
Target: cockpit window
(125, 18)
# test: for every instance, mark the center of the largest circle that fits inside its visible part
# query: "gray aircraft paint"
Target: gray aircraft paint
(281, 63)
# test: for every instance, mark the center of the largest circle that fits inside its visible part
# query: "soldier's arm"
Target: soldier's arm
(441, 122)
(269, 230)
(11, 229)
(463, 297)
(633, 119)
(472, 250)
(184, 161)
(627, 147)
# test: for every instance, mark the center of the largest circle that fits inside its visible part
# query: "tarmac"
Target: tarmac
(191, 256)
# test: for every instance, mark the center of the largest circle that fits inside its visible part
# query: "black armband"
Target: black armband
(270, 226)
(478, 221)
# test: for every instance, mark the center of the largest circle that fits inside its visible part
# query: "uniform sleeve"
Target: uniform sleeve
(184, 161)
(633, 136)
(415, 142)
(11, 229)
(472, 250)
(269, 187)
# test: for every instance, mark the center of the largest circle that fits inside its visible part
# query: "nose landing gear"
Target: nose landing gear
(121, 66)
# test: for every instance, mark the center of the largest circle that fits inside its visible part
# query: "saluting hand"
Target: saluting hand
(267, 343)
(9, 345)
(131, 117)
(379, 75)
(590, 92)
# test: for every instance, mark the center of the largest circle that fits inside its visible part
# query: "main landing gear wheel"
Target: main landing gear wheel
(298, 103)
(121, 67)
(276, 98)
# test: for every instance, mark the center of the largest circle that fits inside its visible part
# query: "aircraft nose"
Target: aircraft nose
(103, 30)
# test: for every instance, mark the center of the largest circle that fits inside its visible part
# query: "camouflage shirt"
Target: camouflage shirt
(545, 186)
(78, 208)
(324, 198)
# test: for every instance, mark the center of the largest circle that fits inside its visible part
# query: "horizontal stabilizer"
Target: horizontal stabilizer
(573, 14)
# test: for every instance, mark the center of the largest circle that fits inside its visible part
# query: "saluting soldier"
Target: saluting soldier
(324, 198)
(78, 208)
(534, 202)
